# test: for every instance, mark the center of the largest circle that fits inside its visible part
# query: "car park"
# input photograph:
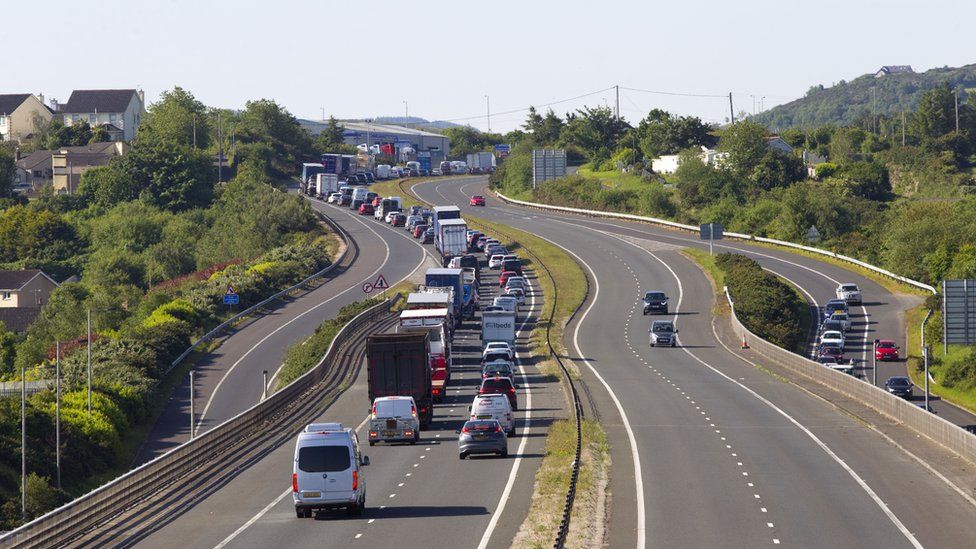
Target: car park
(394, 419)
(886, 349)
(655, 302)
(327, 471)
(832, 336)
(483, 436)
(662, 333)
(507, 303)
(366, 209)
(418, 230)
(494, 406)
(477, 200)
(500, 386)
(900, 386)
(495, 261)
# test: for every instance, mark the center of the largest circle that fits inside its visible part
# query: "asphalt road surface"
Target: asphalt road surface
(707, 449)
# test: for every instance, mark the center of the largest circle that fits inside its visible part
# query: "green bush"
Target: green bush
(959, 369)
(763, 303)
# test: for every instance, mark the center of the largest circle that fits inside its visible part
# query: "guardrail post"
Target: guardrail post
(192, 414)
(264, 384)
(925, 361)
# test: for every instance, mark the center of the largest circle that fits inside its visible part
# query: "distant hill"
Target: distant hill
(847, 102)
(415, 121)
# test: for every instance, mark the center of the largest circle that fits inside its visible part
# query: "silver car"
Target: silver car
(482, 436)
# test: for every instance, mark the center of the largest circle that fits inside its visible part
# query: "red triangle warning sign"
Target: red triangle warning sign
(380, 283)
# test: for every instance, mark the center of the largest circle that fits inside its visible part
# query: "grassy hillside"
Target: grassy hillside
(849, 103)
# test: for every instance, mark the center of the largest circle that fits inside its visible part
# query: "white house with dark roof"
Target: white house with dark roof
(893, 69)
(118, 111)
(22, 114)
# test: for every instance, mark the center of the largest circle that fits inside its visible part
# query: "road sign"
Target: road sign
(711, 231)
(230, 290)
(231, 299)
(813, 235)
(959, 311)
(380, 283)
(502, 150)
(367, 287)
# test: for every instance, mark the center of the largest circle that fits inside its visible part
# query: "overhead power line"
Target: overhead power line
(678, 94)
(513, 111)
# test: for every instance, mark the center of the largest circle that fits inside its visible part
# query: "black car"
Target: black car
(356, 204)
(655, 302)
(416, 210)
(899, 386)
(345, 200)
(512, 265)
(370, 196)
(369, 177)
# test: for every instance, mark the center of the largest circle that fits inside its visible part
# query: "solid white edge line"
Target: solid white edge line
(826, 449)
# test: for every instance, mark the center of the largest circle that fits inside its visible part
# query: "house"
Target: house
(777, 143)
(33, 171)
(667, 163)
(69, 163)
(22, 294)
(894, 69)
(118, 111)
(22, 114)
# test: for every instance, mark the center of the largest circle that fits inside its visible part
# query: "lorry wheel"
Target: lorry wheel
(371, 443)
(462, 455)
(300, 512)
(511, 432)
(504, 453)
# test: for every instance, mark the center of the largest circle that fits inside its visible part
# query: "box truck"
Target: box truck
(497, 326)
(451, 239)
(399, 365)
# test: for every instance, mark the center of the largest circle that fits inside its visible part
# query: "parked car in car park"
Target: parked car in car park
(328, 470)
(900, 386)
(483, 436)
(886, 350)
(662, 333)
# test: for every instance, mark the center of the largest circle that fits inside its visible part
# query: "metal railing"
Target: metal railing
(943, 432)
(111, 499)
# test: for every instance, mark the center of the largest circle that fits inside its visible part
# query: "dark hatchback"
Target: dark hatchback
(483, 436)
(655, 302)
(500, 386)
(899, 386)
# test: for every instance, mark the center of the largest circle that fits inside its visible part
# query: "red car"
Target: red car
(500, 386)
(505, 276)
(477, 200)
(377, 202)
(886, 350)
(366, 209)
(399, 220)
(418, 230)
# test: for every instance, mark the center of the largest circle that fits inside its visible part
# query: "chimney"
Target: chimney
(54, 105)
(40, 97)
(17, 154)
(142, 97)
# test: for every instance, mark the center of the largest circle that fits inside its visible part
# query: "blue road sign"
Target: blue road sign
(231, 299)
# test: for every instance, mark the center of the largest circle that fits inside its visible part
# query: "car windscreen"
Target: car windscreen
(898, 382)
(662, 328)
(323, 459)
(656, 296)
(848, 288)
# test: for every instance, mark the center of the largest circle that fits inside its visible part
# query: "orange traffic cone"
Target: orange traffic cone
(745, 344)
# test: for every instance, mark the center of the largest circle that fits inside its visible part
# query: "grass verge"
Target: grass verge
(964, 398)
(715, 275)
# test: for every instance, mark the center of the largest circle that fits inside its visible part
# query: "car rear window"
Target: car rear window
(323, 459)
(393, 408)
(481, 425)
(499, 355)
(500, 383)
(886, 345)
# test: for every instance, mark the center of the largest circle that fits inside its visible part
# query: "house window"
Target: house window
(74, 118)
(5, 295)
(92, 118)
(37, 173)
(112, 117)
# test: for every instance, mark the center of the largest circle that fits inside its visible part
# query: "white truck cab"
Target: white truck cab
(327, 471)
(850, 293)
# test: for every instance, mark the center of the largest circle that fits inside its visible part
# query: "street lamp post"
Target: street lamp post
(89, 363)
(925, 361)
(264, 386)
(192, 413)
(488, 106)
(874, 362)
(57, 410)
(23, 442)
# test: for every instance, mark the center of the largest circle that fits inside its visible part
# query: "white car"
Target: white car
(515, 282)
(495, 261)
(850, 293)
(843, 318)
(498, 346)
(334, 198)
(507, 303)
(390, 216)
(328, 470)
(394, 418)
(517, 293)
(494, 407)
(832, 336)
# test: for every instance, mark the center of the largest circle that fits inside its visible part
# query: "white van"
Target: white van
(327, 472)
(494, 407)
(507, 303)
(394, 418)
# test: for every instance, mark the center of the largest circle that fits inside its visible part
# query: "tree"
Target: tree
(8, 170)
(777, 169)
(698, 183)
(866, 179)
(173, 119)
(170, 176)
(106, 186)
(466, 140)
(77, 134)
(35, 236)
(746, 145)
(533, 122)
(661, 132)
(935, 115)
(331, 137)
(595, 130)
(550, 130)
(266, 121)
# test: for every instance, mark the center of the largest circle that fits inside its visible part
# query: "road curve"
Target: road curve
(728, 455)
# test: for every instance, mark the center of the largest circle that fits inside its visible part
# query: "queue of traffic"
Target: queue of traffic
(410, 370)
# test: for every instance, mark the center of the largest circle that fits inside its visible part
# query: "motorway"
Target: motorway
(415, 494)
(709, 450)
(229, 379)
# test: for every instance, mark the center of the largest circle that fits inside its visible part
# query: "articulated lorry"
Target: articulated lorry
(433, 323)
(448, 278)
(399, 365)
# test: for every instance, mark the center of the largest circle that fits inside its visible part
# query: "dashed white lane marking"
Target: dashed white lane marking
(370, 521)
(358, 536)
(408, 474)
(776, 541)
(400, 485)
(392, 495)
(763, 509)
(416, 464)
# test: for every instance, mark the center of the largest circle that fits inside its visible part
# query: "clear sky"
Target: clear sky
(364, 59)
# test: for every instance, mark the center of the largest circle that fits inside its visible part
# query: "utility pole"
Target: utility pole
(753, 104)
(89, 363)
(902, 128)
(925, 359)
(874, 109)
(617, 108)
(323, 113)
(731, 109)
(220, 151)
(192, 414)
(57, 410)
(955, 98)
(194, 130)
(488, 106)
(23, 442)
(874, 362)
(406, 109)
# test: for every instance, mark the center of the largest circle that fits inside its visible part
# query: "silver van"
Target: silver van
(394, 419)
(327, 473)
